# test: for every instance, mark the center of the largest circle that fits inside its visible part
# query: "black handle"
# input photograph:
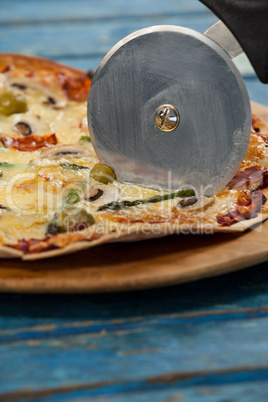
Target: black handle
(248, 22)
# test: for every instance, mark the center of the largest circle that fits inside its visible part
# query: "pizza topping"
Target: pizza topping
(260, 128)
(12, 101)
(103, 173)
(72, 198)
(251, 178)
(26, 124)
(23, 128)
(196, 204)
(116, 206)
(90, 74)
(25, 83)
(76, 89)
(187, 202)
(29, 143)
(7, 165)
(50, 101)
(5, 207)
(247, 207)
(52, 227)
(59, 150)
(85, 138)
(73, 166)
(94, 194)
(74, 219)
(22, 87)
(258, 125)
(102, 194)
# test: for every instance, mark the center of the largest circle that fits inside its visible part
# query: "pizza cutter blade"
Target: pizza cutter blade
(168, 109)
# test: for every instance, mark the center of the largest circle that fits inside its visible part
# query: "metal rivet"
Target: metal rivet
(167, 117)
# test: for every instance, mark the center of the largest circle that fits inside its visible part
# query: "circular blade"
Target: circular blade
(128, 111)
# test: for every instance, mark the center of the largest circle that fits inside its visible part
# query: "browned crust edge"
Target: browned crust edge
(21, 62)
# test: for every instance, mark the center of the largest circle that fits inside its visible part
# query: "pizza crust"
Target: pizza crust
(135, 232)
(40, 65)
(8, 252)
(140, 232)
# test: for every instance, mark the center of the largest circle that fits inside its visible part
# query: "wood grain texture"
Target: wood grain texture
(152, 263)
(158, 351)
(158, 346)
(154, 387)
(109, 346)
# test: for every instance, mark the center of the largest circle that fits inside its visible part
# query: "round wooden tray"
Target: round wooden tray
(126, 266)
(140, 265)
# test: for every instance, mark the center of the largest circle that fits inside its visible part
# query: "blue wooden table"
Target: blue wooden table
(203, 341)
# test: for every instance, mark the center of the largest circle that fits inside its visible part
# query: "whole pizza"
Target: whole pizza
(57, 198)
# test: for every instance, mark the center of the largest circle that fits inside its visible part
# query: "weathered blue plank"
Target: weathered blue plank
(257, 91)
(94, 327)
(136, 354)
(31, 10)
(244, 289)
(221, 393)
(195, 384)
(85, 39)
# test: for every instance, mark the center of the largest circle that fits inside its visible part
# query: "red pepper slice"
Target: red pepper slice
(29, 143)
(76, 89)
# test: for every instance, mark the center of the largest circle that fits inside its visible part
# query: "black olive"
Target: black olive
(90, 74)
(67, 153)
(52, 228)
(50, 101)
(19, 86)
(23, 128)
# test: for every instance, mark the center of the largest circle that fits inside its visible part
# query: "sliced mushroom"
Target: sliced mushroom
(59, 150)
(23, 128)
(94, 194)
(5, 207)
(19, 86)
(24, 83)
(102, 194)
(187, 202)
(197, 204)
(26, 125)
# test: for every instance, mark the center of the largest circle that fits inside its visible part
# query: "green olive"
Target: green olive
(12, 101)
(74, 219)
(103, 173)
(71, 198)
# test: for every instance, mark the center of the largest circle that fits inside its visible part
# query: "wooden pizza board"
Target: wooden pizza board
(140, 265)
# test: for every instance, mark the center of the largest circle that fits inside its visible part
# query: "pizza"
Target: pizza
(55, 195)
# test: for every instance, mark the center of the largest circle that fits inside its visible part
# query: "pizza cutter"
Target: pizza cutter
(168, 108)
